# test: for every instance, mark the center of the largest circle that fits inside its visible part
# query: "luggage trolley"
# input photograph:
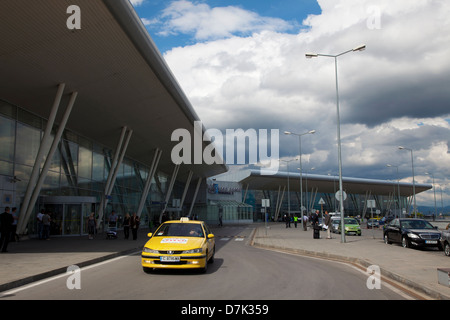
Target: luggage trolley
(111, 232)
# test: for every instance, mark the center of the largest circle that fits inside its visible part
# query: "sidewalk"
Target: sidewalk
(32, 260)
(414, 268)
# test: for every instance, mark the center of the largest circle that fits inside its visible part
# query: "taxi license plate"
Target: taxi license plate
(430, 242)
(169, 259)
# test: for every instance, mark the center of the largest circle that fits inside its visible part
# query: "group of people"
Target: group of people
(43, 223)
(8, 225)
(314, 219)
(129, 223)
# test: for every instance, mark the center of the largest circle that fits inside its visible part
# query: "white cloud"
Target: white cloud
(207, 23)
(137, 3)
(394, 93)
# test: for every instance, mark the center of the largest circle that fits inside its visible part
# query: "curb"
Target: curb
(361, 263)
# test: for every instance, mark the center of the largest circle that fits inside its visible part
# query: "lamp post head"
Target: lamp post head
(287, 132)
(311, 55)
(312, 131)
(360, 48)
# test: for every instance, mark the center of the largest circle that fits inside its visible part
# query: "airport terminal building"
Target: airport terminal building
(86, 118)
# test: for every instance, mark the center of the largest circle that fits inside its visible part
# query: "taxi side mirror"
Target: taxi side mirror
(210, 236)
(149, 234)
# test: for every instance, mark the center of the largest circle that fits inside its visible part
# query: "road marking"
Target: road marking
(399, 290)
(59, 276)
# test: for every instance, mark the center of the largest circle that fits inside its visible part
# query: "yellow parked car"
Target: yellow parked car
(179, 244)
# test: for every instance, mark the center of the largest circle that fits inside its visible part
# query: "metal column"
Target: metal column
(169, 190)
(45, 142)
(199, 182)
(148, 183)
(115, 165)
(186, 187)
(48, 161)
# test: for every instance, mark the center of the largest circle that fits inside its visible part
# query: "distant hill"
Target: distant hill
(429, 211)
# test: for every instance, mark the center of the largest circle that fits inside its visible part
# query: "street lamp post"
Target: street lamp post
(434, 189)
(341, 195)
(414, 181)
(398, 186)
(301, 172)
(289, 191)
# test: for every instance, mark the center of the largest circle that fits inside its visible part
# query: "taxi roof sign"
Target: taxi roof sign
(184, 219)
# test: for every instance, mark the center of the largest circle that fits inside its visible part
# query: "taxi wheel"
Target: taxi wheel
(211, 260)
(205, 268)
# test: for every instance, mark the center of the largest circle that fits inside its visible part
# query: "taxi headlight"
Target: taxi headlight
(148, 250)
(199, 250)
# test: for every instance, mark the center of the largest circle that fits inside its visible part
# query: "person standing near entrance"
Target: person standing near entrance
(6, 221)
(134, 225)
(126, 226)
(40, 226)
(91, 223)
(327, 224)
(46, 226)
(13, 235)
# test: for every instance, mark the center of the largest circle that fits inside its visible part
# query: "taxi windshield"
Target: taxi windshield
(180, 229)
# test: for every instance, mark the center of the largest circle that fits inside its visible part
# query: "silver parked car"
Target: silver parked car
(445, 242)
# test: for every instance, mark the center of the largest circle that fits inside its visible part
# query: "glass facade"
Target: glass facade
(354, 205)
(79, 168)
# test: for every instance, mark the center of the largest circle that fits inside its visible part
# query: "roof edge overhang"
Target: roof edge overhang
(132, 25)
(330, 183)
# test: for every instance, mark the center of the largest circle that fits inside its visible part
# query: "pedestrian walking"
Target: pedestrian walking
(295, 220)
(220, 217)
(315, 225)
(6, 221)
(327, 224)
(46, 226)
(40, 226)
(134, 225)
(126, 226)
(91, 225)
(13, 235)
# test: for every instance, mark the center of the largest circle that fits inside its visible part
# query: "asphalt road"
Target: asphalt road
(240, 272)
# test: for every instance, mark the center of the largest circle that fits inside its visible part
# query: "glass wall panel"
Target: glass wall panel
(29, 118)
(8, 109)
(27, 146)
(98, 167)
(7, 139)
(85, 163)
(6, 168)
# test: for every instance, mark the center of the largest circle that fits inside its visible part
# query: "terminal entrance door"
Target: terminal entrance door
(68, 214)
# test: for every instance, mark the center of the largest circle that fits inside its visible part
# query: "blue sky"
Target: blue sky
(293, 12)
(242, 65)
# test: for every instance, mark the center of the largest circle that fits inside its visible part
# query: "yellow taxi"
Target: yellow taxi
(179, 244)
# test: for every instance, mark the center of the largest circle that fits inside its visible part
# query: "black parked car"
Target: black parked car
(412, 233)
